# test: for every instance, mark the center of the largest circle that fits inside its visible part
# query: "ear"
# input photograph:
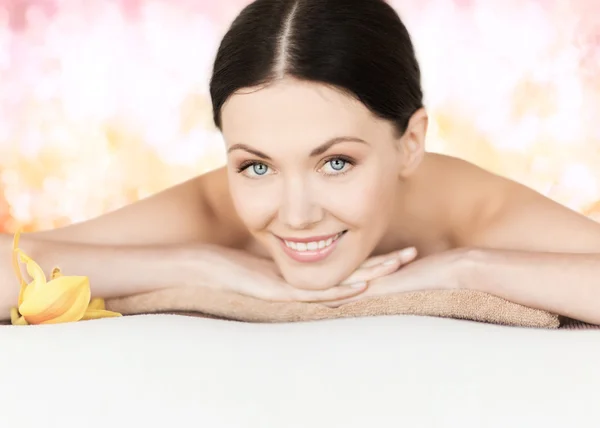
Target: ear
(412, 143)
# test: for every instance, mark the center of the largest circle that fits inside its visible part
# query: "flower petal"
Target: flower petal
(97, 303)
(33, 269)
(17, 267)
(92, 314)
(66, 295)
(16, 318)
(75, 312)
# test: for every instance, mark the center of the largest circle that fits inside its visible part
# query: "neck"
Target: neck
(418, 218)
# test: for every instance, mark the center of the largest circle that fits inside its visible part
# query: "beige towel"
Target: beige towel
(460, 304)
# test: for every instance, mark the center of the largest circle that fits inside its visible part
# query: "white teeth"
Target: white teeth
(311, 246)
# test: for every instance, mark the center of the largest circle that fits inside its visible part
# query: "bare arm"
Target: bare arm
(113, 270)
(197, 210)
(139, 247)
(539, 253)
(562, 283)
(125, 270)
(188, 235)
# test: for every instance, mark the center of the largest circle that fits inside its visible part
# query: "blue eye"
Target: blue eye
(337, 164)
(259, 168)
(253, 169)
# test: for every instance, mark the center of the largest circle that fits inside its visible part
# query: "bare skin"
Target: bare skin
(441, 203)
(471, 207)
(422, 219)
(471, 228)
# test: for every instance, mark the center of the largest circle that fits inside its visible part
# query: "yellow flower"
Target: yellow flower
(62, 299)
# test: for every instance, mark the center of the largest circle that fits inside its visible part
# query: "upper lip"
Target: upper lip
(309, 239)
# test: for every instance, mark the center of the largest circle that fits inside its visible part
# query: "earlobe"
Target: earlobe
(413, 143)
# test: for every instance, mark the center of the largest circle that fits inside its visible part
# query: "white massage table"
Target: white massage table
(176, 371)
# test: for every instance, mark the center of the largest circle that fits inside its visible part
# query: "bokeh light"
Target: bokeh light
(106, 102)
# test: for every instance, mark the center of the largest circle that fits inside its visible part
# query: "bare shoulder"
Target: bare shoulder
(466, 196)
(217, 198)
(498, 212)
(191, 211)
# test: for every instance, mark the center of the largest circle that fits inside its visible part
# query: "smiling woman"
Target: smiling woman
(293, 184)
(329, 193)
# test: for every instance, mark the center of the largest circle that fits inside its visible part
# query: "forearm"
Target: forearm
(565, 284)
(112, 270)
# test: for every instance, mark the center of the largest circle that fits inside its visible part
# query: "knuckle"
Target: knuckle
(336, 293)
(374, 272)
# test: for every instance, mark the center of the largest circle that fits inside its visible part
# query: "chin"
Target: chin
(310, 282)
(308, 274)
(316, 277)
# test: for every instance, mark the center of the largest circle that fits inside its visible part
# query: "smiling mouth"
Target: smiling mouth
(312, 245)
(310, 250)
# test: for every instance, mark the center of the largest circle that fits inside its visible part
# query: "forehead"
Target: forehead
(290, 110)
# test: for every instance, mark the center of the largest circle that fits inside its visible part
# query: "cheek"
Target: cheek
(364, 201)
(255, 204)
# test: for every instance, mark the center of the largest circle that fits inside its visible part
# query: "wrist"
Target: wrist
(466, 268)
(113, 271)
(204, 265)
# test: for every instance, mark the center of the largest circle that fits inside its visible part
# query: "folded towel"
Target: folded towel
(460, 304)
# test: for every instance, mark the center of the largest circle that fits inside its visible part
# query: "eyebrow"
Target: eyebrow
(315, 152)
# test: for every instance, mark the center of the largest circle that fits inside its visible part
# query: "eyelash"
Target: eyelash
(346, 159)
(247, 164)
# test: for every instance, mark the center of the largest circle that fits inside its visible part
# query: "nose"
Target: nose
(299, 207)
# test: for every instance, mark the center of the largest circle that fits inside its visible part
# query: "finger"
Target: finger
(405, 254)
(342, 302)
(334, 304)
(377, 260)
(334, 293)
(382, 269)
(371, 273)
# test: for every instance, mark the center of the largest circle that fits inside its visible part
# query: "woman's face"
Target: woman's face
(314, 176)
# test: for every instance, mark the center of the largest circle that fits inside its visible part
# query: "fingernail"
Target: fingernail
(404, 254)
(408, 252)
(358, 284)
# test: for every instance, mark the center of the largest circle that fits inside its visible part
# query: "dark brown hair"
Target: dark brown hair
(359, 46)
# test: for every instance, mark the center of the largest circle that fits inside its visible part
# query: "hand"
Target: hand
(260, 278)
(438, 271)
(380, 266)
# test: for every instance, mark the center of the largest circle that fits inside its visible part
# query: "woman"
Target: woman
(329, 194)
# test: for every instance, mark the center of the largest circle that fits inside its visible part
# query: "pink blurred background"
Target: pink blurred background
(104, 102)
